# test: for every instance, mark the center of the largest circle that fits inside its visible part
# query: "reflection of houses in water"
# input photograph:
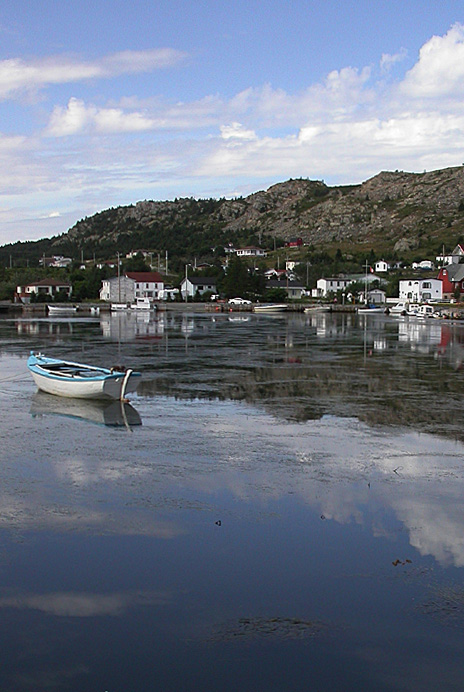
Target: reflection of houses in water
(187, 325)
(327, 326)
(423, 335)
(43, 328)
(451, 345)
(380, 343)
(133, 326)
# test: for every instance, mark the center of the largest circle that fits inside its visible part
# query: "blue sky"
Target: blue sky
(105, 103)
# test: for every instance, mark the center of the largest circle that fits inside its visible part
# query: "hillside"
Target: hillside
(393, 212)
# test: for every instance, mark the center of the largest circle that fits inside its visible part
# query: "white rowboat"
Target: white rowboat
(79, 381)
(61, 309)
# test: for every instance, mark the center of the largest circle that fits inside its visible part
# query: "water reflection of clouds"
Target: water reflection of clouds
(82, 605)
(342, 468)
(339, 466)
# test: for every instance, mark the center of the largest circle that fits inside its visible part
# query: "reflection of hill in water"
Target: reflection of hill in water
(386, 389)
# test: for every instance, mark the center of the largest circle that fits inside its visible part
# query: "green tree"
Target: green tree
(237, 279)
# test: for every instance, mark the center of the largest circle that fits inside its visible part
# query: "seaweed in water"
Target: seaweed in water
(447, 605)
(276, 627)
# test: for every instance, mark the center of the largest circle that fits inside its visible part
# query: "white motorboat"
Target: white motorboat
(401, 308)
(142, 304)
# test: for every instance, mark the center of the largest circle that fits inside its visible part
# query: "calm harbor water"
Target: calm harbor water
(279, 508)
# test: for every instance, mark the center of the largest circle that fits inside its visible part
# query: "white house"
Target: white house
(55, 261)
(45, 287)
(132, 285)
(376, 297)
(341, 283)
(454, 258)
(332, 285)
(190, 286)
(420, 290)
(250, 252)
(425, 264)
(381, 266)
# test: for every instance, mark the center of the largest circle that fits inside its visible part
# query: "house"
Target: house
(330, 285)
(294, 289)
(420, 290)
(46, 287)
(146, 254)
(294, 242)
(424, 265)
(132, 285)
(454, 258)
(376, 297)
(250, 252)
(111, 264)
(381, 266)
(340, 283)
(452, 278)
(275, 274)
(190, 286)
(55, 261)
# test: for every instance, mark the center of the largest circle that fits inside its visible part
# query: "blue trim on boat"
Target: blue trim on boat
(35, 362)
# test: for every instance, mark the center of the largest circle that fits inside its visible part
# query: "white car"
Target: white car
(239, 301)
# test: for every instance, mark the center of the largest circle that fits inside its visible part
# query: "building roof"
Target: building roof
(276, 283)
(196, 280)
(148, 277)
(455, 271)
(48, 282)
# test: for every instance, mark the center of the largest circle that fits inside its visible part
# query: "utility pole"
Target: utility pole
(186, 277)
(119, 278)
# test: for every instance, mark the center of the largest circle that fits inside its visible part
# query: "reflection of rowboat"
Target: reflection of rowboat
(115, 413)
(79, 381)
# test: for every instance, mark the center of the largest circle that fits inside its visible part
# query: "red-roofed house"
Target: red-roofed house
(46, 287)
(452, 278)
(132, 285)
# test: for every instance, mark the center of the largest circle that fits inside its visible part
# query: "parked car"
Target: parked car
(239, 301)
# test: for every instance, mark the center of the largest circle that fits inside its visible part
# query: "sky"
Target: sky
(108, 102)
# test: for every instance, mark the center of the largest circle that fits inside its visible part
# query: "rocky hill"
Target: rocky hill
(392, 212)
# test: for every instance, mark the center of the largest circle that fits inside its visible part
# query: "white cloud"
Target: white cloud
(17, 75)
(440, 69)
(387, 61)
(237, 131)
(77, 118)
(343, 129)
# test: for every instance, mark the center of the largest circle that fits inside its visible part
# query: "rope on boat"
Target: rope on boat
(124, 383)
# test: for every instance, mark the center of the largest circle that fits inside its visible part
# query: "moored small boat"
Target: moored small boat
(270, 307)
(370, 310)
(143, 304)
(81, 381)
(61, 309)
